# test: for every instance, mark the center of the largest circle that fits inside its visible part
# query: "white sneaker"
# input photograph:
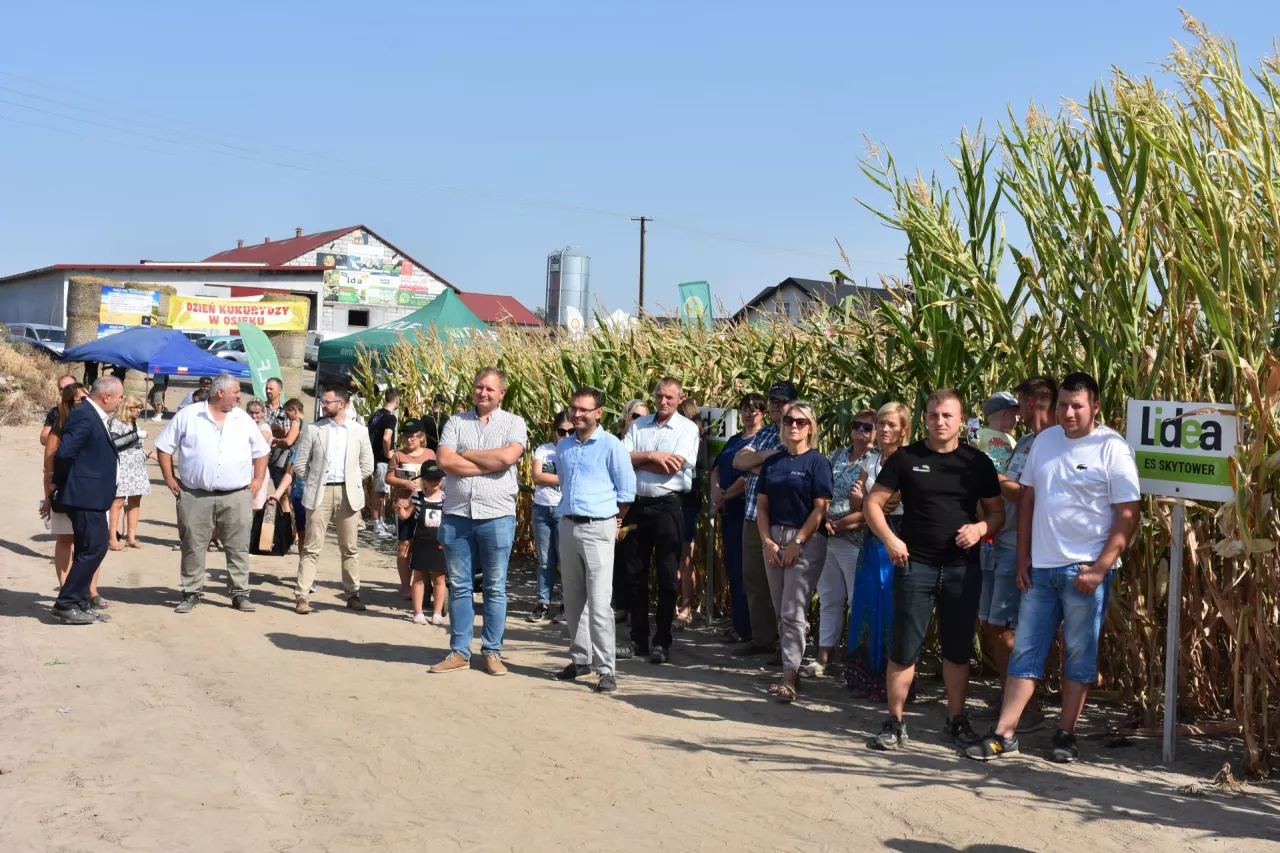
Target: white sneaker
(385, 532)
(437, 621)
(157, 417)
(419, 619)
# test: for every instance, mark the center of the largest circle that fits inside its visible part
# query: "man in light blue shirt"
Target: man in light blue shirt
(597, 486)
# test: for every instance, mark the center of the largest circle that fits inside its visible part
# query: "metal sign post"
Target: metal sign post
(1173, 635)
(1181, 450)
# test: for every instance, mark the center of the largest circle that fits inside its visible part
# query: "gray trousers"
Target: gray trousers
(200, 513)
(792, 590)
(586, 575)
(764, 621)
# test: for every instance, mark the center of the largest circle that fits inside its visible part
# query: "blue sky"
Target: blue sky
(479, 135)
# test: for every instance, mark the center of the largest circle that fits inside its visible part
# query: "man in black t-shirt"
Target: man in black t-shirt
(382, 435)
(942, 482)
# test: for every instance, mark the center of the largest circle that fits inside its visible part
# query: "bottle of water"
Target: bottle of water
(40, 505)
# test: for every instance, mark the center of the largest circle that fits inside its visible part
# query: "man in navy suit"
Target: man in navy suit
(85, 480)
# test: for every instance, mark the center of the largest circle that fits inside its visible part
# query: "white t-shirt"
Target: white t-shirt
(544, 460)
(1076, 482)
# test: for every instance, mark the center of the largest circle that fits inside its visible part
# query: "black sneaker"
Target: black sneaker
(607, 683)
(626, 651)
(557, 618)
(660, 655)
(188, 603)
(959, 730)
(539, 613)
(572, 671)
(893, 734)
(1065, 750)
(993, 746)
(73, 616)
(354, 603)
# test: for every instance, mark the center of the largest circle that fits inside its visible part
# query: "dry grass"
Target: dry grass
(30, 384)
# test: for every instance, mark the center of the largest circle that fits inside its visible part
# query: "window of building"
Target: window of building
(786, 309)
(358, 317)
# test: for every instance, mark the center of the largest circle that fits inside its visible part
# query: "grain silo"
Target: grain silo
(569, 290)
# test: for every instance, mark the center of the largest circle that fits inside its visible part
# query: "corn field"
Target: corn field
(1152, 223)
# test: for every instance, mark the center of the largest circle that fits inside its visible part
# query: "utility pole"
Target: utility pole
(642, 220)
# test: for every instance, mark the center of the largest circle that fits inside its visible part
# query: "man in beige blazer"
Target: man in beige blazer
(333, 458)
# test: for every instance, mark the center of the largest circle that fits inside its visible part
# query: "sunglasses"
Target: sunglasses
(563, 433)
(864, 426)
(796, 422)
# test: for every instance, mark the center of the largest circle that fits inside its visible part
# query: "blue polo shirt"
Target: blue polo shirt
(595, 475)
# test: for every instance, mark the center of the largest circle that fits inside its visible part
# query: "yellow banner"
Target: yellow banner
(198, 312)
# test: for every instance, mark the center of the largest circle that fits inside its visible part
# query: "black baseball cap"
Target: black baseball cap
(413, 425)
(430, 470)
(206, 381)
(784, 390)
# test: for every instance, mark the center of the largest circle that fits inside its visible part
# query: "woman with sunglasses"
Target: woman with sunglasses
(793, 493)
(546, 516)
(871, 607)
(631, 412)
(728, 487)
(845, 530)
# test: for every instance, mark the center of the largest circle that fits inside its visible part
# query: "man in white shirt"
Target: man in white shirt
(1078, 509)
(664, 450)
(333, 457)
(221, 463)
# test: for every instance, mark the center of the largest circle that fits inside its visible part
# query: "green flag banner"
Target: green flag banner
(262, 357)
(695, 303)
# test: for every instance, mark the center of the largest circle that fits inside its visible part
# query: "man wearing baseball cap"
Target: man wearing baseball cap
(767, 443)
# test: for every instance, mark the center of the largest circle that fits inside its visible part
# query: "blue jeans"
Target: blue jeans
(546, 538)
(1000, 593)
(1054, 600)
(731, 531)
(467, 542)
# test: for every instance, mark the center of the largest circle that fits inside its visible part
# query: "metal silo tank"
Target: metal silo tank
(569, 289)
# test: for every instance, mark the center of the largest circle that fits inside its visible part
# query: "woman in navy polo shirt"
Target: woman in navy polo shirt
(794, 493)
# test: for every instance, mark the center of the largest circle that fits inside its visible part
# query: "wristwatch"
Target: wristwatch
(799, 541)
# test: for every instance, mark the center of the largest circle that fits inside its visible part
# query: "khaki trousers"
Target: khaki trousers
(333, 506)
(200, 514)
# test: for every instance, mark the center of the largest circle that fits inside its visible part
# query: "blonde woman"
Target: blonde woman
(132, 481)
(633, 410)
(871, 607)
(793, 495)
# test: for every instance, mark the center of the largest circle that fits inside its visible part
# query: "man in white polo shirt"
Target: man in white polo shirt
(664, 450)
(222, 461)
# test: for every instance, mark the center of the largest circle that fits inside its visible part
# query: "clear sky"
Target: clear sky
(480, 135)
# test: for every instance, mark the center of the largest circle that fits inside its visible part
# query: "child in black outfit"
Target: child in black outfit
(427, 556)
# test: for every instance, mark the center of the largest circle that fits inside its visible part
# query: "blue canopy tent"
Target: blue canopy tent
(156, 351)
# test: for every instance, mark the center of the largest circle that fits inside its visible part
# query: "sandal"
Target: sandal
(731, 637)
(134, 543)
(786, 694)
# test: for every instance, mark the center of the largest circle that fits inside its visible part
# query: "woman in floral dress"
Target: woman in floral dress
(132, 481)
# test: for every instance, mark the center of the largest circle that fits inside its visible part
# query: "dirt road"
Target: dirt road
(225, 731)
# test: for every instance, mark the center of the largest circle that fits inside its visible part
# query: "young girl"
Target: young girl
(402, 477)
(428, 556)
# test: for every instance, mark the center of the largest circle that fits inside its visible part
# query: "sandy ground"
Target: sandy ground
(271, 732)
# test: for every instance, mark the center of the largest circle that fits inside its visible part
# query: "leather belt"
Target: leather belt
(584, 519)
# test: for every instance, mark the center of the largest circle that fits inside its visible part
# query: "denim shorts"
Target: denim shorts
(919, 588)
(1053, 600)
(1000, 593)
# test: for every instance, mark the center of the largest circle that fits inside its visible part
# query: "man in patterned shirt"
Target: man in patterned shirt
(767, 442)
(478, 452)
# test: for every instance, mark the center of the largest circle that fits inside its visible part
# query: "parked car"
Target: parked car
(208, 342)
(52, 338)
(311, 351)
(231, 349)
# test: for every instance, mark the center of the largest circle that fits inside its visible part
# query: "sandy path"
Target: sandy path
(268, 732)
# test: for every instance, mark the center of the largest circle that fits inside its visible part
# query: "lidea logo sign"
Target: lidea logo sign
(1182, 448)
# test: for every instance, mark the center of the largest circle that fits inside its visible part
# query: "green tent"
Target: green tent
(447, 313)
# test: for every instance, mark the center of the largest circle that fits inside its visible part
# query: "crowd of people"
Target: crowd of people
(970, 527)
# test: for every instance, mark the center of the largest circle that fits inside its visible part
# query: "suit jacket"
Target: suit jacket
(312, 461)
(85, 464)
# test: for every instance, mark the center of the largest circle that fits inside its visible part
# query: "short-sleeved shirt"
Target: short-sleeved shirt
(402, 459)
(485, 495)
(678, 435)
(544, 460)
(382, 421)
(766, 439)
(792, 484)
(1008, 535)
(846, 470)
(730, 475)
(940, 494)
(1077, 483)
(51, 417)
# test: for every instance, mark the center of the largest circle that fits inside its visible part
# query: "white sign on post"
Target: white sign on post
(1182, 451)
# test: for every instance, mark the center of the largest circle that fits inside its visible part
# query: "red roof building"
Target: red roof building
(494, 309)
